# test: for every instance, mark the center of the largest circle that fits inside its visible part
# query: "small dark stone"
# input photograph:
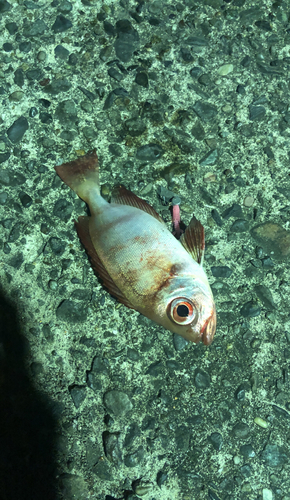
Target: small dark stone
(247, 451)
(102, 470)
(16, 261)
(63, 209)
(201, 379)
(4, 157)
(275, 455)
(216, 217)
(155, 369)
(241, 430)
(61, 24)
(125, 44)
(142, 79)
(205, 111)
(57, 245)
(209, 158)
(212, 495)
(135, 458)
(221, 271)
(198, 131)
(256, 112)
(246, 61)
(61, 52)
(150, 152)
(265, 296)
(246, 470)
(135, 127)
(239, 226)
(196, 71)
(72, 312)
(179, 342)
(234, 211)
(240, 392)
(263, 25)
(161, 478)
(112, 446)
(78, 394)
(241, 89)
(117, 402)
(133, 432)
(250, 309)
(216, 440)
(3, 198)
(17, 129)
(80, 294)
(186, 55)
(14, 233)
(25, 199)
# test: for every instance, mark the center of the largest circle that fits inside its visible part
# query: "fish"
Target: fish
(139, 261)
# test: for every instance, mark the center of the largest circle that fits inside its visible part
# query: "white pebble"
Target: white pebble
(267, 494)
(262, 423)
(225, 69)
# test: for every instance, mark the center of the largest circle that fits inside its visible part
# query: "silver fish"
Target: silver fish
(138, 259)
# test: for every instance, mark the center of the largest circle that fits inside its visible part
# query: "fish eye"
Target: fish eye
(182, 311)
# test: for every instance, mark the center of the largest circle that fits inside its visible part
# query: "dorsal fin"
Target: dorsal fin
(82, 226)
(193, 240)
(123, 196)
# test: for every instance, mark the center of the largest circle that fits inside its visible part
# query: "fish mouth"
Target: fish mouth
(208, 331)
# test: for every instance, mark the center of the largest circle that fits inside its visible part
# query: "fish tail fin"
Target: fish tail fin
(82, 175)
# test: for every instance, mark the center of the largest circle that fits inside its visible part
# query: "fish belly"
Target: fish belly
(136, 249)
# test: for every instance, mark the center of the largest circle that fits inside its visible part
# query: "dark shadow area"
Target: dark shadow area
(27, 426)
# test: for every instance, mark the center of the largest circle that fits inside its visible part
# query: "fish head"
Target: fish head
(189, 310)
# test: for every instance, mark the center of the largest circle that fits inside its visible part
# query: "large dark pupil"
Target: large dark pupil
(182, 311)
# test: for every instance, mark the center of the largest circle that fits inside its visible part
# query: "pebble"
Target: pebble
(17, 129)
(274, 240)
(247, 451)
(78, 394)
(233, 211)
(61, 24)
(150, 152)
(209, 158)
(241, 430)
(265, 296)
(250, 309)
(239, 226)
(72, 312)
(267, 494)
(210, 177)
(117, 402)
(256, 112)
(205, 111)
(248, 201)
(216, 440)
(201, 379)
(274, 455)
(261, 422)
(221, 271)
(225, 69)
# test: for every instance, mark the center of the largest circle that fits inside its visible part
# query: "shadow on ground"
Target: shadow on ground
(27, 426)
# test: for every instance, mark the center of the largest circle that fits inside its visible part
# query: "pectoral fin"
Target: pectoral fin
(193, 240)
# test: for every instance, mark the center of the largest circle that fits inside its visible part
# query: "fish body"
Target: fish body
(139, 261)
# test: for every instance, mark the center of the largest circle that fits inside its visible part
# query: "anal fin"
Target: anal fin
(82, 227)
